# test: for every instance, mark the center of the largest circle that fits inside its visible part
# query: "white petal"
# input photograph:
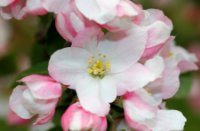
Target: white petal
(168, 120)
(41, 107)
(124, 48)
(155, 65)
(16, 103)
(55, 6)
(136, 77)
(88, 91)
(108, 89)
(148, 97)
(4, 3)
(166, 86)
(137, 109)
(69, 65)
(101, 11)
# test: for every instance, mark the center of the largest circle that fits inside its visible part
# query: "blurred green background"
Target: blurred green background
(19, 53)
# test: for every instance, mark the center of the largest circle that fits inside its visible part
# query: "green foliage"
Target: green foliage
(185, 85)
(40, 68)
(5, 127)
(67, 99)
(57, 128)
(183, 106)
(8, 64)
(54, 41)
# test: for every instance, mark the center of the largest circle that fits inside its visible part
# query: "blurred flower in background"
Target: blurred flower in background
(5, 35)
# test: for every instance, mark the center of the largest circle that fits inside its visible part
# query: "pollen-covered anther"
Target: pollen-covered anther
(98, 67)
(170, 54)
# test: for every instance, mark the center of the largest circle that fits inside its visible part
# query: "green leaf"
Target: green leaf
(4, 126)
(58, 115)
(185, 85)
(57, 128)
(8, 64)
(40, 68)
(66, 100)
(41, 55)
(54, 41)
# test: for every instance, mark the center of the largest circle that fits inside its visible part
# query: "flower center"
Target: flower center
(170, 54)
(98, 66)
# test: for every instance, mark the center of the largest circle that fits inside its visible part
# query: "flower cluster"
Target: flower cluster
(133, 65)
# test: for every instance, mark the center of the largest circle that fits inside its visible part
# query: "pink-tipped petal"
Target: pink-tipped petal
(43, 87)
(76, 118)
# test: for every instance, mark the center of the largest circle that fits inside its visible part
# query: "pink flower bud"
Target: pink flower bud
(38, 97)
(76, 118)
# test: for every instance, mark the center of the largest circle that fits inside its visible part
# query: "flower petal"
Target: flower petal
(168, 120)
(88, 91)
(88, 39)
(137, 109)
(16, 103)
(4, 3)
(35, 106)
(108, 89)
(42, 119)
(166, 86)
(55, 6)
(137, 76)
(101, 11)
(124, 48)
(35, 7)
(69, 65)
(43, 87)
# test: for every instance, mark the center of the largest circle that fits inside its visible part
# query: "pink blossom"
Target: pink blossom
(194, 95)
(38, 97)
(99, 71)
(70, 23)
(185, 61)
(177, 60)
(195, 49)
(20, 8)
(114, 15)
(76, 118)
(159, 28)
(142, 112)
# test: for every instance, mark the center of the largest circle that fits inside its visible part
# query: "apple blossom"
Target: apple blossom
(114, 15)
(185, 61)
(76, 118)
(194, 95)
(70, 23)
(159, 28)
(142, 112)
(195, 48)
(177, 60)
(101, 70)
(38, 97)
(20, 8)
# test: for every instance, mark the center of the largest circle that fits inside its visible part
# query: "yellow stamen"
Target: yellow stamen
(170, 54)
(98, 67)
